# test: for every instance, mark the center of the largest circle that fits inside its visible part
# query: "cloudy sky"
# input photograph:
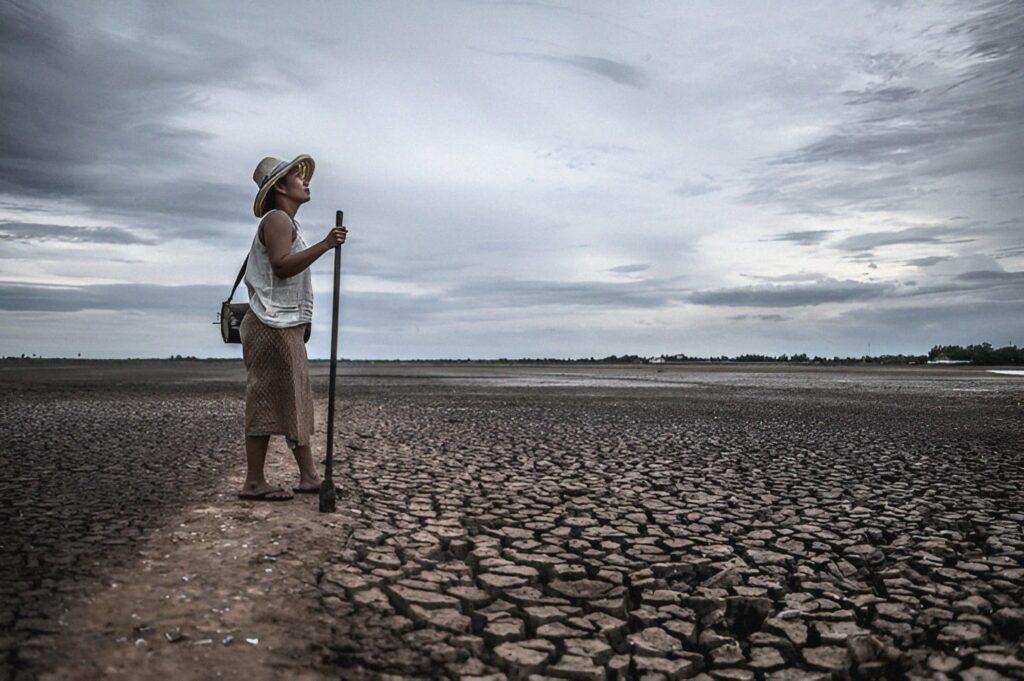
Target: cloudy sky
(521, 177)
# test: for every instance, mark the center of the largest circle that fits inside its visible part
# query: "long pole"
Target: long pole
(328, 495)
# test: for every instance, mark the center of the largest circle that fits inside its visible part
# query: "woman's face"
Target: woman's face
(294, 186)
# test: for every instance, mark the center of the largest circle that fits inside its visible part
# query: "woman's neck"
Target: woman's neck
(290, 207)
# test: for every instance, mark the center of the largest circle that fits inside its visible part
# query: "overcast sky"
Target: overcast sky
(521, 178)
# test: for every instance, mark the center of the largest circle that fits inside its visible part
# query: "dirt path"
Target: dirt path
(227, 590)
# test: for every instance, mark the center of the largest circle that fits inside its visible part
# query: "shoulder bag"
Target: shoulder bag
(231, 314)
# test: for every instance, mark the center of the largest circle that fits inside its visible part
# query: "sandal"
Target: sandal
(272, 494)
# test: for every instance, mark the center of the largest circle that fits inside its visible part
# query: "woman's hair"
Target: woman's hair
(270, 201)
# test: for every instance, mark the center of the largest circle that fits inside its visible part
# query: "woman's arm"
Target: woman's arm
(277, 237)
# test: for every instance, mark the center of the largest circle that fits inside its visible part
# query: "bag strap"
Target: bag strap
(238, 279)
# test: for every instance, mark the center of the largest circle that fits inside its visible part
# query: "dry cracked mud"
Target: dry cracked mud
(734, 533)
(697, 523)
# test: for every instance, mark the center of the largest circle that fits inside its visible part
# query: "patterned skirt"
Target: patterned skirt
(278, 399)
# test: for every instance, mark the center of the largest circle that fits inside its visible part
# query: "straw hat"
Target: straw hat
(271, 169)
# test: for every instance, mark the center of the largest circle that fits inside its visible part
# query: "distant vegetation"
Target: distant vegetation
(982, 354)
(978, 354)
(973, 354)
(799, 358)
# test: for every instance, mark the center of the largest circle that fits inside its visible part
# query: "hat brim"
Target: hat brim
(306, 167)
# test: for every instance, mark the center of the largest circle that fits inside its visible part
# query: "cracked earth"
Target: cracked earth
(632, 523)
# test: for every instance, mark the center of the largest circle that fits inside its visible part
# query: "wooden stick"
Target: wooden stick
(328, 494)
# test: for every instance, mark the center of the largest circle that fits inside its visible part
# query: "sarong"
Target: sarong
(278, 399)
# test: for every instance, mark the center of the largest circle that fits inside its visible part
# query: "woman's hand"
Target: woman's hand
(335, 237)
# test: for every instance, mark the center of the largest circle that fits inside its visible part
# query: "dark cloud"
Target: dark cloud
(502, 293)
(792, 295)
(482, 298)
(914, 326)
(366, 309)
(91, 115)
(947, 321)
(36, 232)
(1008, 252)
(928, 260)
(629, 269)
(982, 285)
(884, 95)
(934, 120)
(124, 297)
(759, 317)
(991, 276)
(792, 276)
(910, 235)
(808, 237)
(619, 72)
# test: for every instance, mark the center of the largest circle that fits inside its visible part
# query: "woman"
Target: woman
(278, 400)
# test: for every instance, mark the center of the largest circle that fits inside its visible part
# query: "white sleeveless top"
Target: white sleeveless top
(278, 302)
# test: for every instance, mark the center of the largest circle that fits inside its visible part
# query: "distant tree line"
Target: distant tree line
(800, 358)
(978, 354)
(983, 354)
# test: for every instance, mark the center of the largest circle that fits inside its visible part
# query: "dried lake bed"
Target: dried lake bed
(563, 521)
